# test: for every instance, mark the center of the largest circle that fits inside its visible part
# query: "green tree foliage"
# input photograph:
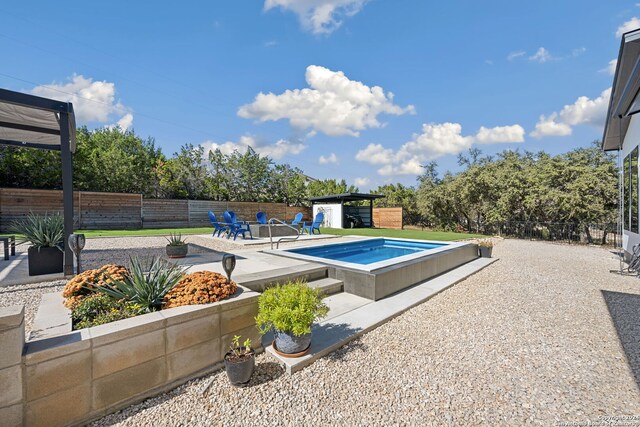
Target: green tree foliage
(31, 168)
(577, 187)
(327, 187)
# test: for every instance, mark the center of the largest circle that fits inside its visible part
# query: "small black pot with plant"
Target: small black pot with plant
(177, 247)
(240, 362)
(485, 247)
(46, 235)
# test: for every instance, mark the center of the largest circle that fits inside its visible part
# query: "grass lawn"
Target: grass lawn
(405, 234)
(145, 232)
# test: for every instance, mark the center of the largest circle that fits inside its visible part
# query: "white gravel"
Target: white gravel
(528, 340)
(546, 335)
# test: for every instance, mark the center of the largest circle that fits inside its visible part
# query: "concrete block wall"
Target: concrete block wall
(75, 377)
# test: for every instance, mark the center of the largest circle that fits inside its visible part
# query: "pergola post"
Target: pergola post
(370, 213)
(67, 190)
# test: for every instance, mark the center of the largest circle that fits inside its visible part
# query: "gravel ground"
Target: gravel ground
(528, 340)
(546, 335)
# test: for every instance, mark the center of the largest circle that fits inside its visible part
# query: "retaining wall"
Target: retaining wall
(82, 375)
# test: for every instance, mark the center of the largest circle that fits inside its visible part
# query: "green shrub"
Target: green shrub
(292, 308)
(40, 230)
(100, 308)
(146, 289)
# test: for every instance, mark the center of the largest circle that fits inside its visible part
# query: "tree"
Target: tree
(185, 176)
(327, 187)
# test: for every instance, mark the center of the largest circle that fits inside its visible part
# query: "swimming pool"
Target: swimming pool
(368, 251)
(377, 267)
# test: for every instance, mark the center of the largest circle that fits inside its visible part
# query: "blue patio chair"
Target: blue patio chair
(218, 227)
(297, 219)
(236, 227)
(315, 225)
(261, 217)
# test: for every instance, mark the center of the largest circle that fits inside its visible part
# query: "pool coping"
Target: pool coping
(368, 268)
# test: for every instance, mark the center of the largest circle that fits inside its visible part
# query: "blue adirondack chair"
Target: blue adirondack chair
(315, 225)
(218, 227)
(297, 219)
(236, 227)
(261, 217)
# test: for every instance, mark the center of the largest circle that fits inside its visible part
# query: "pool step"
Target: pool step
(327, 286)
(260, 281)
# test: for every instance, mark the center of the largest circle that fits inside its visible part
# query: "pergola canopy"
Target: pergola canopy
(32, 121)
(35, 122)
(345, 197)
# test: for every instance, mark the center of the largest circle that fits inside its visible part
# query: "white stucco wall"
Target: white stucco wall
(631, 141)
(332, 214)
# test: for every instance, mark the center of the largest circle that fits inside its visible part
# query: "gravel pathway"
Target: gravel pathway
(528, 340)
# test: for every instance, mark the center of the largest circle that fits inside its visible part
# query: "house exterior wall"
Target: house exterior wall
(631, 141)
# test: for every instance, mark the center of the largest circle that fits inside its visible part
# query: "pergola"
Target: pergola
(349, 197)
(35, 122)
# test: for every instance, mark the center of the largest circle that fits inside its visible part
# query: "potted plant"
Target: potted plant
(46, 235)
(177, 247)
(240, 361)
(486, 247)
(290, 310)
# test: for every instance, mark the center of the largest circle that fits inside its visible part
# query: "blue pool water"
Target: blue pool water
(367, 251)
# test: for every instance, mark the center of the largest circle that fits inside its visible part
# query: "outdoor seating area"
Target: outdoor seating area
(262, 227)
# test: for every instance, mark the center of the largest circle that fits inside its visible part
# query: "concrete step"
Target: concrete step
(327, 285)
(262, 280)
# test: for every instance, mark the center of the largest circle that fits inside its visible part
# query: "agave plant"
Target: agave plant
(146, 289)
(40, 230)
(175, 239)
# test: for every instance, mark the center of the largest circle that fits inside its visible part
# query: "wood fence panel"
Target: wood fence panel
(291, 212)
(109, 211)
(16, 203)
(165, 213)
(245, 211)
(199, 212)
(387, 218)
(274, 210)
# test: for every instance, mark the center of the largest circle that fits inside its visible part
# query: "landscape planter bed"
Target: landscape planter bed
(77, 376)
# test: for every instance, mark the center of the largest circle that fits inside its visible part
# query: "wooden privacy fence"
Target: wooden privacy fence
(98, 211)
(387, 218)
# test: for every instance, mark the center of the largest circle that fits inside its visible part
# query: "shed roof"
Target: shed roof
(345, 197)
(32, 121)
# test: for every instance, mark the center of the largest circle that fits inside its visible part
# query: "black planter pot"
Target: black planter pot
(485, 252)
(290, 344)
(239, 372)
(45, 260)
(177, 251)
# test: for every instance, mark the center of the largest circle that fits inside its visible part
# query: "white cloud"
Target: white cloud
(631, 24)
(125, 122)
(93, 101)
(514, 133)
(542, 55)
(515, 55)
(578, 51)
(332, 104)
(319, 16)
(548, 126)
(583, 111)
(375, 154)
(332, 158)
(276, 150)
(435, 140)
(611, 67)
(270, 43)
(362, 182)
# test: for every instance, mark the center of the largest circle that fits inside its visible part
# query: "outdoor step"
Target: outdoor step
(327, 286)
(262, 280)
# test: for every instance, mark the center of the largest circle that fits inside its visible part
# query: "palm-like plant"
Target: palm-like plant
(146, 289)
(40, 230)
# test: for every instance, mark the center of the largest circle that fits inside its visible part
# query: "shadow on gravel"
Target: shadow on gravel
(265, 372)
(624, 309)
(354, 346)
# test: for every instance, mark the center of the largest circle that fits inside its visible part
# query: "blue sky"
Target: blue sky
(362, 90)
